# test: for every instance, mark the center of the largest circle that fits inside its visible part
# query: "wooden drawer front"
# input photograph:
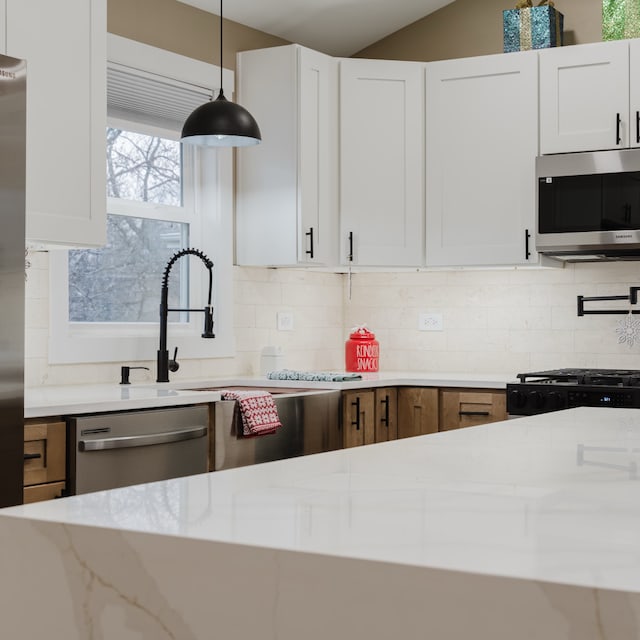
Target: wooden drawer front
(44, 450)
(470, 408)
(39, 492)
(417, 411)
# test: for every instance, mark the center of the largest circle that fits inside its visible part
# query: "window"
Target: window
(161, 197)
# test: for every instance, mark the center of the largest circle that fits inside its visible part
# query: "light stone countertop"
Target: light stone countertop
(527, 528)
(52, 400)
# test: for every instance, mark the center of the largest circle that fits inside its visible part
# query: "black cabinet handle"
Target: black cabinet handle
(32, 456)
(350, 254)
(385, 418)
(527, 253)
(637, 127)
(309, 234)
(356, 423)
(473, 413)
(618, 124)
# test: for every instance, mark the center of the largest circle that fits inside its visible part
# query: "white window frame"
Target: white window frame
(211, 232)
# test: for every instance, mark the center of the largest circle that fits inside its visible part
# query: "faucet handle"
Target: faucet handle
(173, 363)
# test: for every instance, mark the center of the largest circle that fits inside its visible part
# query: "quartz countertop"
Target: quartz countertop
(53, 400)
(526, 528)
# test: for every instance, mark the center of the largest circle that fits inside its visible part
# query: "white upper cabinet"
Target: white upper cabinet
(481, 145)
(584, 97)
(381, 162)
(3, 26)
(64, 44)
(286, 208)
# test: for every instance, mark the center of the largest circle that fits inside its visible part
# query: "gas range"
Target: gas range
(544, 391)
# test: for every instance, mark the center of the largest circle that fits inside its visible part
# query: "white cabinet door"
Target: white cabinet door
(481, 135)
(3, 26)
(381, 162)
(634, 93)
(64, 44)
(286, 209)
(584, 97)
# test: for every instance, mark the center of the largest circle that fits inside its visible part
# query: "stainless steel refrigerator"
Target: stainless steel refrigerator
(13, 82)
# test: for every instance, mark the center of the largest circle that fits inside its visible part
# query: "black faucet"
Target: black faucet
(164, 363)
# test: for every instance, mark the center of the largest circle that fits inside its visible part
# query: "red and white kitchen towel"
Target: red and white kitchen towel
(257, 410)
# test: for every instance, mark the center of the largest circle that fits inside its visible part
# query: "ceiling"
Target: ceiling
(336, 27)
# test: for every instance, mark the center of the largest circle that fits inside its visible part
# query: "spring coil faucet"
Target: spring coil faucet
(164, 363)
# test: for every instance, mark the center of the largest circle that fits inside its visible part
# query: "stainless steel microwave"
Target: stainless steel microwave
(589, 205)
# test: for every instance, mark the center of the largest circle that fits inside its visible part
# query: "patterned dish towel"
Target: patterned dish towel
(310, 376)
(257, 410)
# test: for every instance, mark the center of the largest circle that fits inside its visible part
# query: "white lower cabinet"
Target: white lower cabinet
(64, 44)
(481, 145)
(286, 208)
(381, 162)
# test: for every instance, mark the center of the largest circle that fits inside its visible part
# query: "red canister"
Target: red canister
(361, 351)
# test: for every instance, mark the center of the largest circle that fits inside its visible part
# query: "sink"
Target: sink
(272, 390)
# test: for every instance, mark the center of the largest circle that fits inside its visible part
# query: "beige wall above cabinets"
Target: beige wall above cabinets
(183, 29)
(471, 28)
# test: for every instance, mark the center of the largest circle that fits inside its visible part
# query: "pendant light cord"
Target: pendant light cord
(221, 92)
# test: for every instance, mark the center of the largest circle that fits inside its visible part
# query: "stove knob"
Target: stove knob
(536, 399)
(517, 399)
(555, 401)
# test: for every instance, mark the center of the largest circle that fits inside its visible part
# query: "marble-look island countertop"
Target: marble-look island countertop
(57, 400)
(517, 530)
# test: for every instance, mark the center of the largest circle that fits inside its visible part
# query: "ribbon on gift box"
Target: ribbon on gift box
(526, 36)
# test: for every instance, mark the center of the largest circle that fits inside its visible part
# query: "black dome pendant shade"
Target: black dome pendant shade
(219, 122)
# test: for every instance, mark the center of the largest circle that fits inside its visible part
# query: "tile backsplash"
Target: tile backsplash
(494, 321)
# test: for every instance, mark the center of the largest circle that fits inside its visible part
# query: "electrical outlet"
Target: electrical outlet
(285, 321)
(430, 322)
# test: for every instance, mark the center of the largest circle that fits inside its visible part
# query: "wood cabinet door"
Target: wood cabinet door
(386, 425)
(584, 93)
(467, 408)
(481, 145)
(358, 418)
(381, 162)
(417, 411)
(44, 452)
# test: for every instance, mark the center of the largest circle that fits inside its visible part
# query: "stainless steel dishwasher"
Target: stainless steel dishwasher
(111, 450)
(310, 424)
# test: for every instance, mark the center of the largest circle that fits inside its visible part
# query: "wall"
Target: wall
(183, 29)
(494, 320)
(472, 28)
(512, 320)
(316, 299)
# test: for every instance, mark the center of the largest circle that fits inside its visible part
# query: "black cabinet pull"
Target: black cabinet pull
(527, 253)
(350, 254)
(618, 124)
(473, 413)
(385, 418)
(309, 234)
(32, 456)
(356, 423)
(637, 127)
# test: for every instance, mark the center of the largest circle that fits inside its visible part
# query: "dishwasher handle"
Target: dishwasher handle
(125, 442)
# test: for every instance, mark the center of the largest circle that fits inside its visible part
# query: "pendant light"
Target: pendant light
(219, 122)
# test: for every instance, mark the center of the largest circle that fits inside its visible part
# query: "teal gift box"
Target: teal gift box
(530, 27)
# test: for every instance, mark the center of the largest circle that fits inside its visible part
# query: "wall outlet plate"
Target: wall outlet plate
(284, 321)
(430, 322)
